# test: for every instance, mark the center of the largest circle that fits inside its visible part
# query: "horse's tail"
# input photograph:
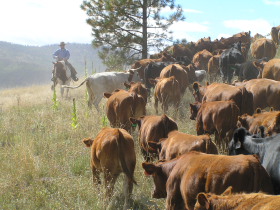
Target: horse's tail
(74, 87)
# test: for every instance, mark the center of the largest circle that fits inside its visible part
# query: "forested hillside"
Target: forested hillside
(27, 65)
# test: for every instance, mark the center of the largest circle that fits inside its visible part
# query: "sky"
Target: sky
(44, 22)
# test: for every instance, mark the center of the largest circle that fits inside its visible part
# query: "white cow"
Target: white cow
(99, 83)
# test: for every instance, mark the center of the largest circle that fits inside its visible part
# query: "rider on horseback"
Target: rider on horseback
(64, 54)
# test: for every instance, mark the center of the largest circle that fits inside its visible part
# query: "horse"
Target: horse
(61, 75)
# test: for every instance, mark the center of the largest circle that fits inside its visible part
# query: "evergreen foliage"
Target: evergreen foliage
(130, 26)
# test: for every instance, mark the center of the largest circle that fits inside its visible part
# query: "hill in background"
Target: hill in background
(29, 65)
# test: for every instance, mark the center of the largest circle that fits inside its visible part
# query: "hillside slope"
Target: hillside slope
(27, 65)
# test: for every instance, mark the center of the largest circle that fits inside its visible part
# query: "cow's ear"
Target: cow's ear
(203, 201)
(127, 85)
(228, 191)
(107, 95)
(88, 142)
(149, 168)
(258, 110)
(238, 145)
(196, 86)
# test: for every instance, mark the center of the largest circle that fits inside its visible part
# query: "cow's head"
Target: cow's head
(203, 200)
(236, 144)
(244, 121)
(194, 108)
(198, 92)
(159, 177)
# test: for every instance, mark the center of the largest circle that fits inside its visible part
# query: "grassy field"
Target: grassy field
(45, 165)
(43, 162)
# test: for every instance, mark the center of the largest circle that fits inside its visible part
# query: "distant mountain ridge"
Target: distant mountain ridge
(27, 65)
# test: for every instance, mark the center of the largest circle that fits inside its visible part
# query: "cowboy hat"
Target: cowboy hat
(61, 44)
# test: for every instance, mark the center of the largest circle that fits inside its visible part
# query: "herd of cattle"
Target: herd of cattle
(243, 115)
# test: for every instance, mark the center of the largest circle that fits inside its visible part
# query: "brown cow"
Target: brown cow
(167, 92)
(240, 201)
(153, 128)
(137, 88)
(266, 93)
(183, 52)
(204, 43)
(269, 120)
(216, 117)
(141, 64)
(112, 152)
(263, 48)
(271, 70)
(213, 67)
(225, 92)
(275, 34)
(201, 58)
(181, 179)
(178, 143)
(244, 37)
(179, 73)
(122, 105)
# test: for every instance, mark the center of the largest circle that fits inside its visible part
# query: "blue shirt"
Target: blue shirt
(60, 54)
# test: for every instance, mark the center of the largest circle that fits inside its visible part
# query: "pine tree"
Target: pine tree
(130, 26)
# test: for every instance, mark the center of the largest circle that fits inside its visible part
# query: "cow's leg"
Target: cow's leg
(127, 190)
(96, 177)
(109, 180)
(96, 102)
(156, 105)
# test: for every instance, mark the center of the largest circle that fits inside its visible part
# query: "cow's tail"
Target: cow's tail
(125, 168)
(74, 87)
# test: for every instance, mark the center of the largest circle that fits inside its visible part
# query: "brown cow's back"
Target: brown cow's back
(167, 91)
(178, 143)
(266, 93)
(178, 72)
(201, 172)
(153, 128)
(242, 201)
(122, 105)
(263, 48)
(271, 70)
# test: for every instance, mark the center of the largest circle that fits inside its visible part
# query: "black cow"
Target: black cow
(268, 150)
(250, 69)
(228, 59)
(152, 71)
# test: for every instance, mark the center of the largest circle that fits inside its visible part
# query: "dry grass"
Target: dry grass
(44, 164)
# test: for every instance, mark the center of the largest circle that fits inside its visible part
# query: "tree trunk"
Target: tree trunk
(144, 30)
